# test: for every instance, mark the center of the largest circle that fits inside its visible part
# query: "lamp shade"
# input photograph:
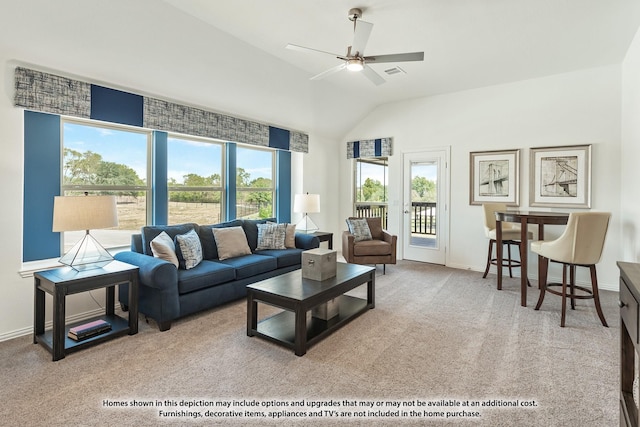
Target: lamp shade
(306, 203)
(72, 213)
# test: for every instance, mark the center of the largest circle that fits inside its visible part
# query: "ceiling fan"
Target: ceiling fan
(355, 60)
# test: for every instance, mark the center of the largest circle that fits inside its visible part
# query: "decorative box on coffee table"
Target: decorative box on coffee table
(320, 264)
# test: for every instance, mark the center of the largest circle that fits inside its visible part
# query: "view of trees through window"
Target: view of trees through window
(103, 160)
(195, 180)
(254, 183)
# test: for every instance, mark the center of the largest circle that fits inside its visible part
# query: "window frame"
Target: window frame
(239, 189)
(96, 188)
(223, 172)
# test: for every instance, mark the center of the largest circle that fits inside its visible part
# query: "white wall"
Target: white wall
(630, 170)
(575, 108)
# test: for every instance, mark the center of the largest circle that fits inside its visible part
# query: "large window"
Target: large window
(254, 182)
(370, 184)
(99, 159)
(195, 180)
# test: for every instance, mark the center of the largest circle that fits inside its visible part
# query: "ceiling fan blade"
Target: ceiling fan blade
(308, 49)
(329, 71)
(395, 57)
(361, 37)
(372, 75)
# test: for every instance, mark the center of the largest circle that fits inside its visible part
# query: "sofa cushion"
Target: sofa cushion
(150, 232)
(271, 236)
(289, 236)
(359, 228)
(209, 248)
(250, 227)
(188, 249)
(204, 275)
(284, 257)
(231, 242)
(251, 265)
(371, 247)
(163, 247)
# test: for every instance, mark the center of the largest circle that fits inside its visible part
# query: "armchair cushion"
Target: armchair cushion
(371, 248)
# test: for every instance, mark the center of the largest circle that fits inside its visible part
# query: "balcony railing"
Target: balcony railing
(423, 215)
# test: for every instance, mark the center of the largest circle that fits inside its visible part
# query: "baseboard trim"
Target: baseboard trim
(48, 325)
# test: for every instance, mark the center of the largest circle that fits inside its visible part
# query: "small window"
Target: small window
(101, 159)
(254, 183)
(195, 180)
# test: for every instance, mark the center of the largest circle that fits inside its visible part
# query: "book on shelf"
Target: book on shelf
(88, 330)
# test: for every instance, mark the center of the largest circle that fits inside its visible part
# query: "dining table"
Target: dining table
(524, 218)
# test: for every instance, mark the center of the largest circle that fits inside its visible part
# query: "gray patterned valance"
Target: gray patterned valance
(39, 91)
(369, 148)
(49, 93)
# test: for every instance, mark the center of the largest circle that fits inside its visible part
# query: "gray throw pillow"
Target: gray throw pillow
(271, 236)
(231, 242)
(188, 249)
(359, 228)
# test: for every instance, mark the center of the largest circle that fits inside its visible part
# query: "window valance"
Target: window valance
(49, 93)
(380, 147)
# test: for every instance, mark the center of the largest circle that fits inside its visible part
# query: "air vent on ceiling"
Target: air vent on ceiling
(395, 70)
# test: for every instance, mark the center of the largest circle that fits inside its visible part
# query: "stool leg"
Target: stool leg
(490, 252)
(596, 296)
(509, 252)
(573, 286)
(542, 280)
(564, 295)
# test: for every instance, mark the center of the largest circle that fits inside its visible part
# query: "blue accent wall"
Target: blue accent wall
(283, 186)
(230, 179)
(356, 149)
(41, 184)
(278, 138)
(115, 106)
(159, 189)
(377, 147)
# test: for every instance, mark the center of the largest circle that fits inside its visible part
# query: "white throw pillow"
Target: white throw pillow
(271, 236)
(163, 247)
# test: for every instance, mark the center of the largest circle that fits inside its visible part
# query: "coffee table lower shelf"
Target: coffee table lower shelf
(280, 328)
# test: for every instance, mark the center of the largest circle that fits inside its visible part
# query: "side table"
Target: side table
(64, 281)
(324, 236)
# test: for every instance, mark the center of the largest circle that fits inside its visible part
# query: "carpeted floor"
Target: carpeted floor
(440, 341)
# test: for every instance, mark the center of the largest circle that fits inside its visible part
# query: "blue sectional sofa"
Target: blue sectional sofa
(167, 293)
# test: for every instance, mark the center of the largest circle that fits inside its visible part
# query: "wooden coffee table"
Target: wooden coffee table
(298, 296)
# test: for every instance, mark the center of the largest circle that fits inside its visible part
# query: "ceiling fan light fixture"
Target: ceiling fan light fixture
(355, 64)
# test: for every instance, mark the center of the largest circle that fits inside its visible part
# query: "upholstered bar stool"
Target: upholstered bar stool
(580, 245)
(510, 237)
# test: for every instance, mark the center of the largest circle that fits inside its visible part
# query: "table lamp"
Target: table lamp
(306, 203)
(74, 213)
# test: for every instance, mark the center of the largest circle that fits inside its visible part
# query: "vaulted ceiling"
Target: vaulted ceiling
(230, 56)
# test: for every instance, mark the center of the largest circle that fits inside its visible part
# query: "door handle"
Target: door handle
(406, 212)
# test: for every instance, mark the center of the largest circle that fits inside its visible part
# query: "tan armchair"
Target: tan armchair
(381, 249)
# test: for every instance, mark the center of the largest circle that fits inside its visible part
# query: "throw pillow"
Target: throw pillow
(271, 236)
(359, 228)
(289, 235)
(164, 248)
(231, 242)
(188, 250)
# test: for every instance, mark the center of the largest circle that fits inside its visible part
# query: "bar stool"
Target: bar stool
(580, 245)
(510, 237)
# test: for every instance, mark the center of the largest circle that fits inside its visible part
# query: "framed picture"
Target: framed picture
(494, 177)
(560, 176)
